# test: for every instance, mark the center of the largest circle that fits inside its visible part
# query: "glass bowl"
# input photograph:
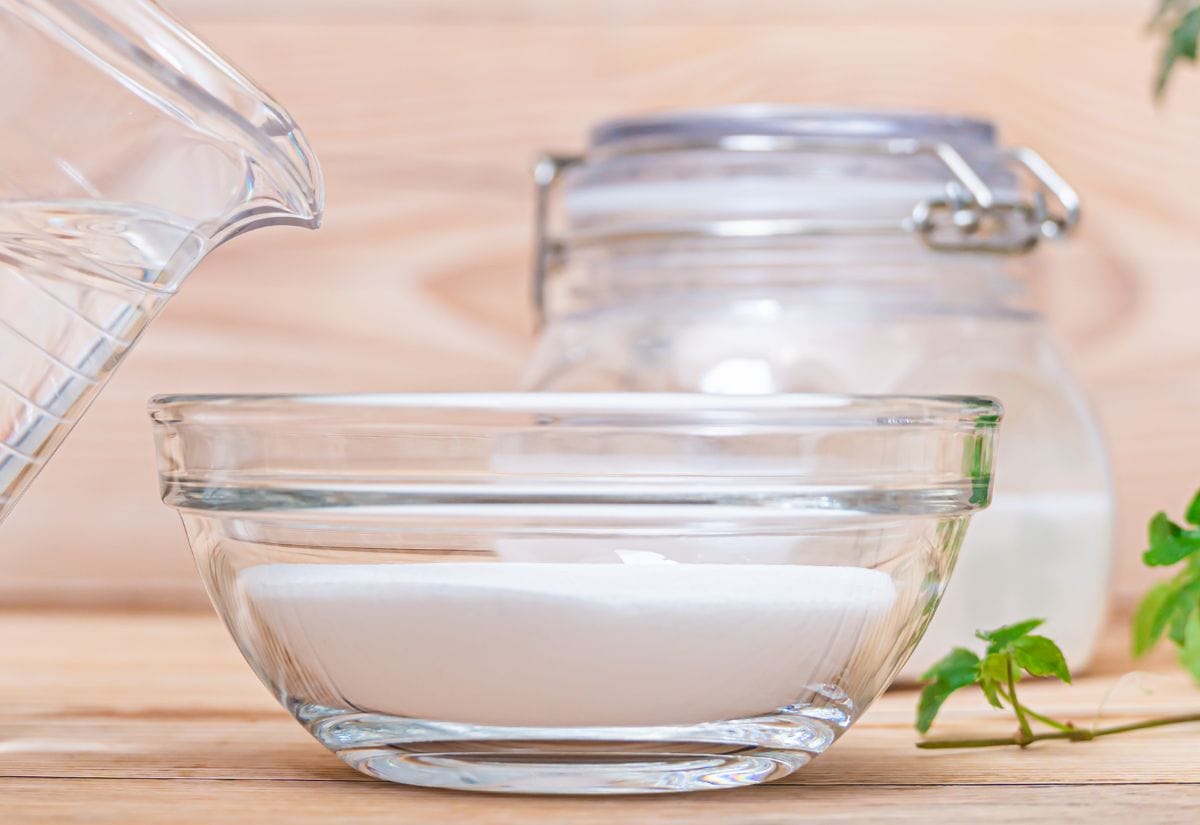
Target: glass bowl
(575, 593)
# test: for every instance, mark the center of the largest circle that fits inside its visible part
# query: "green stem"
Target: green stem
(1026, 731)
(1047, 720)
(1074, 734)
(1041, 717)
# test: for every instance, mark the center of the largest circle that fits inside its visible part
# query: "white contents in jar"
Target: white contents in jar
(1027, 557)
(560, 644)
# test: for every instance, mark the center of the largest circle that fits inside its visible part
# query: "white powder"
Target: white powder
(1027, 556)
(561, 644)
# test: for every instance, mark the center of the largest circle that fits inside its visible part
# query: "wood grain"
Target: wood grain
(426, 116)
(144, 718)
(194, 801)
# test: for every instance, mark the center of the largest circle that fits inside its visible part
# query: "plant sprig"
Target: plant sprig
(1012, 651)
(1178, 21)
(1173, 607)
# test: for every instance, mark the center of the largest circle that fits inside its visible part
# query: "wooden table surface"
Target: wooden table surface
(153, 717)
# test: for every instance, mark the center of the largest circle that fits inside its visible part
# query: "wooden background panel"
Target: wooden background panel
(426, 117)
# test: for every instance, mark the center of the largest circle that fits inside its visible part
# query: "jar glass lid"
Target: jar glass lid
(763, 173)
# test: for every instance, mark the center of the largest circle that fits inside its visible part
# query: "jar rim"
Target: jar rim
(770, 119)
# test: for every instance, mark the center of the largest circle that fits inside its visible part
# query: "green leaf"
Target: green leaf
(1189, 651)
(1169, 543)
(991, 692)
(958, 662)
(994, 668)
(1193, 511)
(957, 669)
(1161, 528)
(1178, 627)
(1184, 31)
(1147, 629)
(1183, 596)
(1039, 656)
(993, 675)
(1182, 600)
(1174, 550)
(1001, 637)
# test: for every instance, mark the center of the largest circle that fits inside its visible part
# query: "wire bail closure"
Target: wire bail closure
(970, 217)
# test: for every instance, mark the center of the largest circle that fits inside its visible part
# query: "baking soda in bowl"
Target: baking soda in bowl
(561, 645)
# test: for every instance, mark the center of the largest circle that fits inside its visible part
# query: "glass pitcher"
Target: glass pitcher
(128, 151)
(766, 249)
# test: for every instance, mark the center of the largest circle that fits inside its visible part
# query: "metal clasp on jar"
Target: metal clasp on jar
(969, 218)
(965, 221)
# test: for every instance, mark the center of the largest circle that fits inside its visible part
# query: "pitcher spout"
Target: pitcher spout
(173, 126)
(283, 185)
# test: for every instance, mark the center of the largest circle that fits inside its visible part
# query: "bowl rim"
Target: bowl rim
(634, 409)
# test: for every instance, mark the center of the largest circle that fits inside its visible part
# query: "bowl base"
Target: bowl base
(592, 760)
(548, 772)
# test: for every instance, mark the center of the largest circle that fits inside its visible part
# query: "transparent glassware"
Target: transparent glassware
(763, 249)
(590, 593)
(128, 151)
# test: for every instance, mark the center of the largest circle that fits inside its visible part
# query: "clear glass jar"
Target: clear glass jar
(764, 250)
